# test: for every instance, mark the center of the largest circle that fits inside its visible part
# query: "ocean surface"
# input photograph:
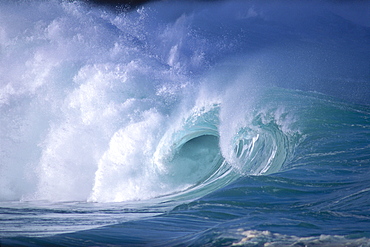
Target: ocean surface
(185, 123)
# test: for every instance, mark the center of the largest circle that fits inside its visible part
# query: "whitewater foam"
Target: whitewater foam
(267, 238)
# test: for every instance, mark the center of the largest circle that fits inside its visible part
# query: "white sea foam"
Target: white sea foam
(267, 238)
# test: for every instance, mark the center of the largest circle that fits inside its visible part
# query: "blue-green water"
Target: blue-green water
(225, 123)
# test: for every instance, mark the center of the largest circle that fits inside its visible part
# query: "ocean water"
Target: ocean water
(185, 123)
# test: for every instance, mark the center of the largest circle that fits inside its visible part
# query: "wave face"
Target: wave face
(165, 104)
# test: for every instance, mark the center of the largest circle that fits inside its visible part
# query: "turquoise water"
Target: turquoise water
(225, 123)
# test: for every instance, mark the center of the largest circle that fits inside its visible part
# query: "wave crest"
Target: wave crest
(189, 160)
